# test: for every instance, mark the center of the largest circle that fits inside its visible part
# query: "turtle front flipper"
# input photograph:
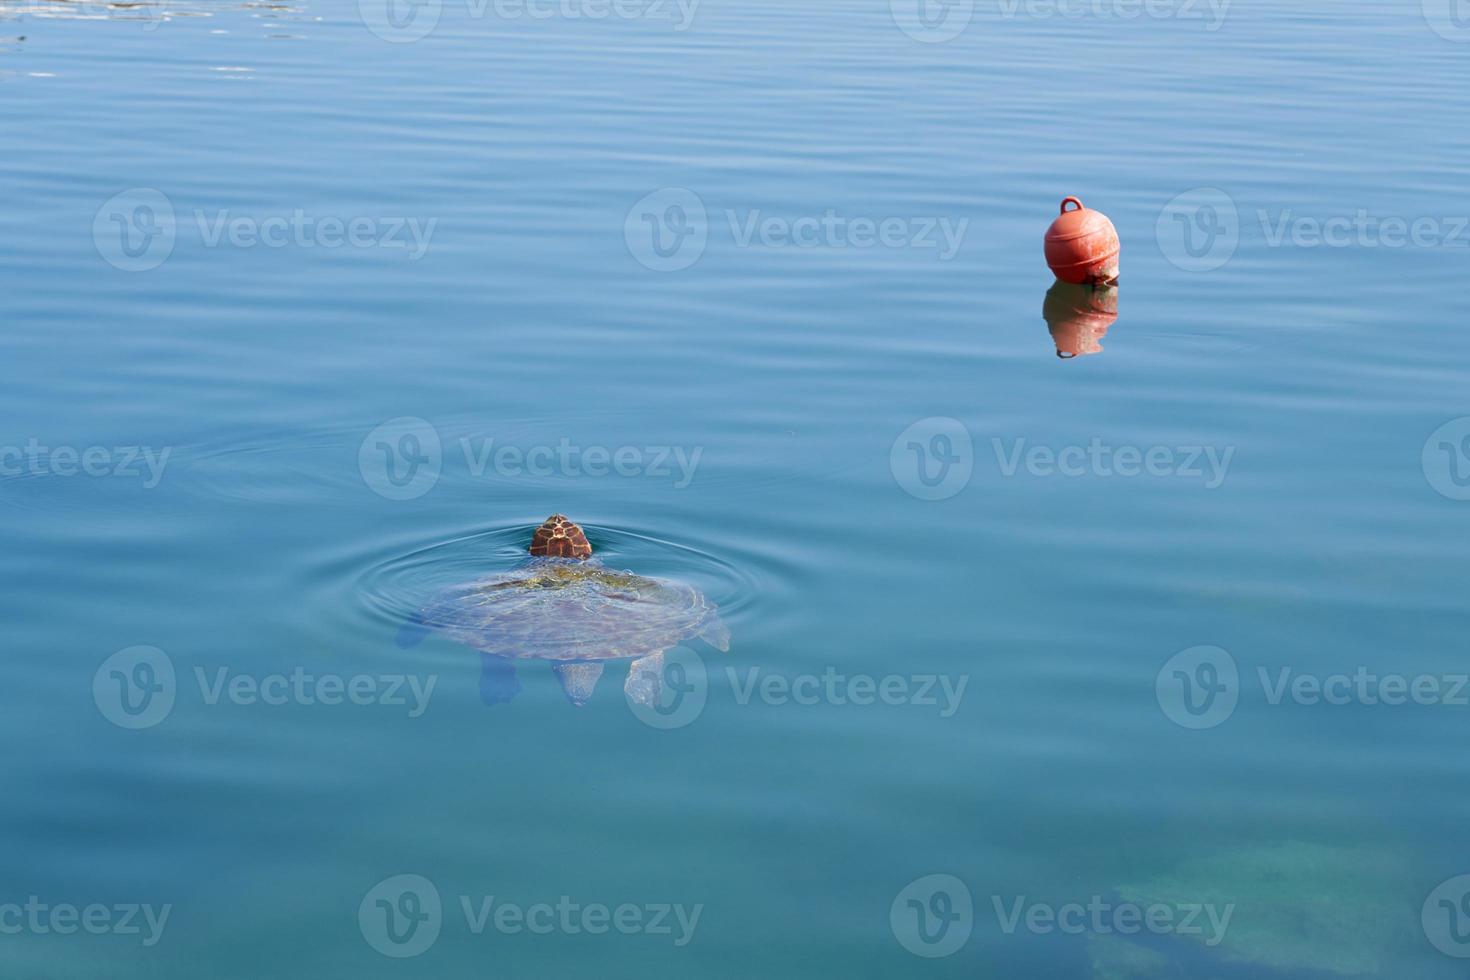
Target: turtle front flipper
(498, 681)
(412, 632)
(715, 633)
(578, 680)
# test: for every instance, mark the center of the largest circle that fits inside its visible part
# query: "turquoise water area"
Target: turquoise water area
(315, 309)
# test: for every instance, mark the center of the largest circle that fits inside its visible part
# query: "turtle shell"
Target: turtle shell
(573, 610)
(560, 538)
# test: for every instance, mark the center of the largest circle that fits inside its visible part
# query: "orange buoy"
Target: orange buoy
(1079, 317)
(1082, 245)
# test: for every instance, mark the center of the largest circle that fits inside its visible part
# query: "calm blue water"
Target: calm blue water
(313, 309)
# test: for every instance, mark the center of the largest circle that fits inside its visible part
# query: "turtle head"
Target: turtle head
(560, 538)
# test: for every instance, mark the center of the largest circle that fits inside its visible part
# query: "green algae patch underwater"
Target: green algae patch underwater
(1296, 907)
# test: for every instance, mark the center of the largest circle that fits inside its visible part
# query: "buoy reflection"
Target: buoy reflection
(1079, 316)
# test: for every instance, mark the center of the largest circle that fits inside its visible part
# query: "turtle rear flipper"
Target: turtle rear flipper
(498, 681)
(645, 680)
(578, 680)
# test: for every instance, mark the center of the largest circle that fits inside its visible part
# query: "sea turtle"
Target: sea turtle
(565, 606)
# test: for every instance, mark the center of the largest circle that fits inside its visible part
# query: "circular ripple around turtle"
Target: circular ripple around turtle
(396, 588)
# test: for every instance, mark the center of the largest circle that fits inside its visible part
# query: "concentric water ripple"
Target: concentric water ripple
(396, 588)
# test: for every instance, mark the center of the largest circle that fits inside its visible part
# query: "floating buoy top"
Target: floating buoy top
(1082, 245)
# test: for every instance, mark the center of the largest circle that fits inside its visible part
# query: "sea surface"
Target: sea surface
(1073, 634)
